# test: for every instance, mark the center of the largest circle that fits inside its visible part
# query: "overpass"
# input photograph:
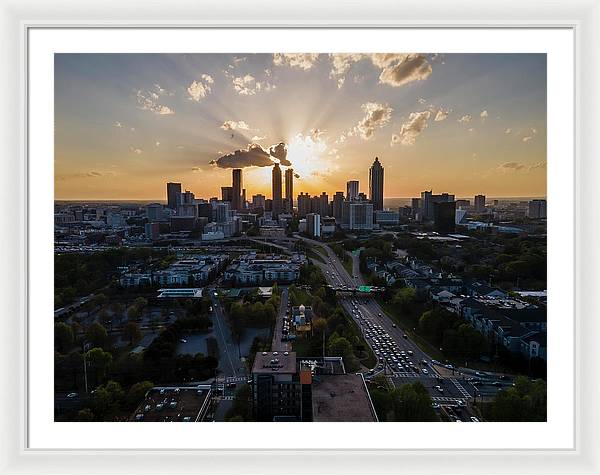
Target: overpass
(360, 290)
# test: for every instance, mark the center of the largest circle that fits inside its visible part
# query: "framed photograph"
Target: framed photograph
(321, 241)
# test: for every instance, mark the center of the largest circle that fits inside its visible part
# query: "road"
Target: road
(277, 344)
(399, 358)
(230, 366)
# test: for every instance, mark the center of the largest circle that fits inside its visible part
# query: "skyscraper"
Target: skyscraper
(337, 203)
(479, 203)
(352, 189)
(236, 201)
(537, 209)
(289, 188)
(324, 204)
(376, 185)
(277, 200)
(227, 193)
(444, 216)
(303, 204)
(173, 194)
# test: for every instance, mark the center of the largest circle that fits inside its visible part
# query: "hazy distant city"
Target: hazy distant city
(289, 282)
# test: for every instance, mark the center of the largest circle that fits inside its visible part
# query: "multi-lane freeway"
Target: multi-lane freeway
(399, 358)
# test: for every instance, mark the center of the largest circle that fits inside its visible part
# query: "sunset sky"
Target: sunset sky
(460, 123)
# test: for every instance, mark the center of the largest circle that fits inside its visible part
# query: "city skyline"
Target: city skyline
(463, 124)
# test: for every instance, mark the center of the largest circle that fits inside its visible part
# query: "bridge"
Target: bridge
(361, 289)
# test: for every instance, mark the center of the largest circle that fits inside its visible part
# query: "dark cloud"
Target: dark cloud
(279, 151)
(254, 156)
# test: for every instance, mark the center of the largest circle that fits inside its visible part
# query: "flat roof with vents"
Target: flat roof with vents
(275, 362)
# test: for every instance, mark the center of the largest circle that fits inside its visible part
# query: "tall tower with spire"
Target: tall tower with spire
(376, 185)
(276, 187)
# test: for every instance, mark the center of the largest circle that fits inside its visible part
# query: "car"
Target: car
(435, 405)
(183, 340)
(231, 385)
(474, 419)
(371, 371)
(210, 309)
(72, 395)
(439, 389)
(410, 353)
(405, 336)
(461, 403)
(497, 383)
(424, 371)
(250, 381)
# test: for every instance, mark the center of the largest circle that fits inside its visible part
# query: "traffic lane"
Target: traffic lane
(229, 363)
(372, 309)
(448, 388)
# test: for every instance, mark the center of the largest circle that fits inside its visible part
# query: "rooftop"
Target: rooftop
(341, 398)
(275, 362)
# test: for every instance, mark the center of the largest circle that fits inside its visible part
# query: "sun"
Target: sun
(307, 156)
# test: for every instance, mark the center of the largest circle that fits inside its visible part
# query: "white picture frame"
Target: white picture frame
(18, 18)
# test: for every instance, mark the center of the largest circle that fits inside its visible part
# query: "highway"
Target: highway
(277, 344)
(399, 358)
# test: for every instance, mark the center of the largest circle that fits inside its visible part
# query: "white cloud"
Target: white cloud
(257, 138)
(117, 124)
(511, 166)
(537, 165)
(465, 118)
(484, 115)
(304, 61)
(137, 151)
(198, 90)
(420, 100)
(527, 138)
(248, 85)
(401, 69)
(340, 64)
(442, 115)
(157, 144)
(395, 69)
(508, 131)
(148, 101)
(233, 125)
(376, 116)
(316, 134)
(417, 122)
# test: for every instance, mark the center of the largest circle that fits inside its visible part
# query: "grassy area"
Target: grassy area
(408, 323)
(371, 360)
(311, 253)
(320, 250)
(347, 263)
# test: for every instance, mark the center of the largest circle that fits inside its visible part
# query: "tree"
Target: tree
(524, 402)
(99, 361)
(133, 312)
(404, 297)
(408, 403)
(339, 346)
(85, 415)
(63, 337)
(96, 334)
(131, 331)
(137, 392)
(107, 398)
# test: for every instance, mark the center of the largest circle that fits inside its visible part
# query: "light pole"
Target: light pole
(86, 346)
